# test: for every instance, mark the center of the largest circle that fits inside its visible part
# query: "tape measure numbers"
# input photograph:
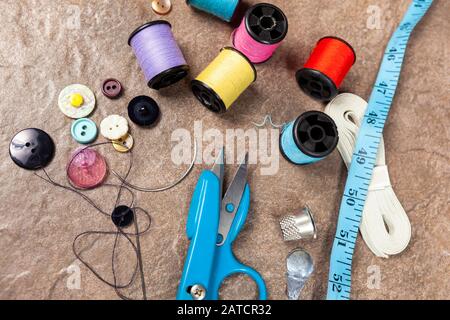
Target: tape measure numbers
(366, 151)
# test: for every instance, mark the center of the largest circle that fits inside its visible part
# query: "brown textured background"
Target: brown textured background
(40, 55)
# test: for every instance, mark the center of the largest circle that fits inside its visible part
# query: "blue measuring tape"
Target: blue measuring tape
(366, 152)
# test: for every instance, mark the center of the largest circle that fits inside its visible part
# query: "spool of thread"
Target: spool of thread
(158, 54)
(328, 65)
(224, 80)
(224, 9)
(309, 139)
(261, 32)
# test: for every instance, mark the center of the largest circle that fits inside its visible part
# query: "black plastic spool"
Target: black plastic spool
(207, 96)
(315, 134)
(266, 23)
(143, 111)
(122, 216)
(32, 149)
(169, 76)
(316, 84)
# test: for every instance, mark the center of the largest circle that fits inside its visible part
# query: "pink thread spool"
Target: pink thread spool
(261, 32)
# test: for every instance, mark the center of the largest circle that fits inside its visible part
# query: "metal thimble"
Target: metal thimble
(299, 227)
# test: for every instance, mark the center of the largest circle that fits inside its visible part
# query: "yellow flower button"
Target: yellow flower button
(76, 100)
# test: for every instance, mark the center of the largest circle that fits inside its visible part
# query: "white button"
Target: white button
(83, 107)
(114, 127)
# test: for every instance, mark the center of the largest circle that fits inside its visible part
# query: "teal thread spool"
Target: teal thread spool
(224, 9)
(309, 139)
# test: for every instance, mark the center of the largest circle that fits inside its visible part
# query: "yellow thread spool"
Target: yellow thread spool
(224, 80)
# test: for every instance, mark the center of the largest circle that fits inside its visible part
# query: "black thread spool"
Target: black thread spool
(309, 139)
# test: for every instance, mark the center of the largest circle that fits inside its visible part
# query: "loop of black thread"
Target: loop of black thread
(119, 232)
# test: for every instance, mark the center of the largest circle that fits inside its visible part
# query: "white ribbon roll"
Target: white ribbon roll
(385, 226)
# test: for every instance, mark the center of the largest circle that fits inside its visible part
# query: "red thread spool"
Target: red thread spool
(328, 65)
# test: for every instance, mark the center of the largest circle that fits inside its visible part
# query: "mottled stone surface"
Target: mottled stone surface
(41, 52)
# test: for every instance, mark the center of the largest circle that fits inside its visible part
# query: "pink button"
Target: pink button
(87, 169)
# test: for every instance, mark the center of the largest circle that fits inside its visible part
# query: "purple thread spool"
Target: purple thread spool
(158, 54)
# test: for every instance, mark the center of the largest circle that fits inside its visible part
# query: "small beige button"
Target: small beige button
(161, 7)
(124, 144)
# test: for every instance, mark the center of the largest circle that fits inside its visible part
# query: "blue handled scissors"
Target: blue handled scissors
(213, 225)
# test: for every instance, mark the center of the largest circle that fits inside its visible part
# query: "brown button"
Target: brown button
(112, 88)
(161, 7)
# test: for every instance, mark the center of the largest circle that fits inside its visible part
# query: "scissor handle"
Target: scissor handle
(226, 265)
(203, 221)
(252, 273)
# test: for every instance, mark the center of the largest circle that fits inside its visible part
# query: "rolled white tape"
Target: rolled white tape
(385, 226)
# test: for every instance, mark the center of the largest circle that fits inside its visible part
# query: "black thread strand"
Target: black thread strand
(119, 233)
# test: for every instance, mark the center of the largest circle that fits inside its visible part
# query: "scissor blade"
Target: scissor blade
(232, 200)
(219, 170)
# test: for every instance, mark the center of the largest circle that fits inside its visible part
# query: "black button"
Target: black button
(143, 111)
(32, 149)
(122, 216)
